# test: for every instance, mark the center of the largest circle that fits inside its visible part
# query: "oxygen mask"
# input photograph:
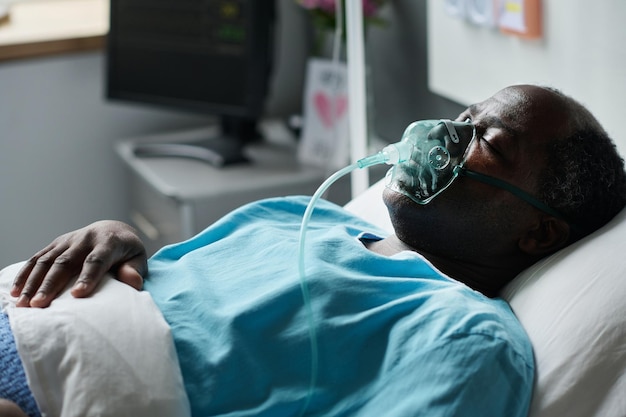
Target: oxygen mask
(431, 154)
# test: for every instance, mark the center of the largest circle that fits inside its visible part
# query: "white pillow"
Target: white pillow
(573, 307)
(369, 206)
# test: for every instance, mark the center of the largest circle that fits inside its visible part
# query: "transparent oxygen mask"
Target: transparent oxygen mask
(437, 150)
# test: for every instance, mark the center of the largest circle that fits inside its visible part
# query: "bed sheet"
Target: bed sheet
(111, 355)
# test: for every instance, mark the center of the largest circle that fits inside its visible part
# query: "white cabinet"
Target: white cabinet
(174, 198)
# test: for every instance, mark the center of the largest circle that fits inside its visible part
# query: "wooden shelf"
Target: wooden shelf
(36, 28)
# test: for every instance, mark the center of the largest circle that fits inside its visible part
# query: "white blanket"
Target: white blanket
(111, 355)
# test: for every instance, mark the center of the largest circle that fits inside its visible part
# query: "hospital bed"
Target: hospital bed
(572, 304)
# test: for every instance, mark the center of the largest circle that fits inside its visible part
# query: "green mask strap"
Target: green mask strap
(461, 171)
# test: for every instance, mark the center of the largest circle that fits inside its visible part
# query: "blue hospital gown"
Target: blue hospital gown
(395, 336)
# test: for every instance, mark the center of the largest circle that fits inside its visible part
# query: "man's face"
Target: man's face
(512, 130)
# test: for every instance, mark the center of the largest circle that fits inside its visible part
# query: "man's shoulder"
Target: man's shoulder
(450, 312)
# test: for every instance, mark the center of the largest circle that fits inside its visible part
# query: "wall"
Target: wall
(397, 56)
(582, 53)
(58, 170)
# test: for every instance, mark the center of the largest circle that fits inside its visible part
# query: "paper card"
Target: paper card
(324, 141)
(521, 18)
(512, 15)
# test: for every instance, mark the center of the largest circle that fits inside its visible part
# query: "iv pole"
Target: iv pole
(359, 178)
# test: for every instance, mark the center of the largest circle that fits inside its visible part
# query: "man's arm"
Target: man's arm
(87, 253)
(10, 409)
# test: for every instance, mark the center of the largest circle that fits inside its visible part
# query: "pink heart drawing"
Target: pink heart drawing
(323, 106)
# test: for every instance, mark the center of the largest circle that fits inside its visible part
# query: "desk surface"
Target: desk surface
(273, 161)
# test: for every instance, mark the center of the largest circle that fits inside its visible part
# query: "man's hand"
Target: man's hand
(87, 253)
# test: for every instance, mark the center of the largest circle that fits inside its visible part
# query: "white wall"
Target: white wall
(58, 170)
(582, 53)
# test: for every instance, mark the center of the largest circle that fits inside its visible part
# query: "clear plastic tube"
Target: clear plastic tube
(302, 273)
(391, 154)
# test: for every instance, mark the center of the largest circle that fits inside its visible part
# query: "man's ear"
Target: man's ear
(547, 236)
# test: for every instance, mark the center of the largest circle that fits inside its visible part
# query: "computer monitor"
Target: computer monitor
(209, 56)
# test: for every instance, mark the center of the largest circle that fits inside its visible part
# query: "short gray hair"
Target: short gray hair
(585, 178)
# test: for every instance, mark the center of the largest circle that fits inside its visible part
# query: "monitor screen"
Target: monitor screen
(210, 56)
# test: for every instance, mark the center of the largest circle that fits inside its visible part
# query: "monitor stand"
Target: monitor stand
(226, 149)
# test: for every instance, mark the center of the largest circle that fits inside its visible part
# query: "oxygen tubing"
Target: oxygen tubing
(391, 154)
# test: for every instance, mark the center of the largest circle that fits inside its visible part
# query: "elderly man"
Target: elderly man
(407, 324)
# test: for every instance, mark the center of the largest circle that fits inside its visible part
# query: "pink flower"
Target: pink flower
(370, 7)
(324, 5)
